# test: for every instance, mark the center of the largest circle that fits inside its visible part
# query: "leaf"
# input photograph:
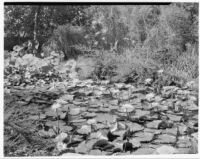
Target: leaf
(84, 130)
(74, 111)
(165, 139)
(165, 150)
(102, 117)
(89, 115)
(134, 127)
(144, 137)
(100, 144)
(127, 146)
(126, 108)
(82, 148)
(154, 124)
(68, 97)
(135, 143)
(95, 152)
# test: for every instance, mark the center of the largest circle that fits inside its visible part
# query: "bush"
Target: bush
(66, 38)
(85, 67)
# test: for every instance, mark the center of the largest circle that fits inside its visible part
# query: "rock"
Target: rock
(165, 150)
(154, 124)
(165, 139)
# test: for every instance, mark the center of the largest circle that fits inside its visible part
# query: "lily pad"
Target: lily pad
(175, 118)
(126, 108)
(165, 139)
(91, 121)
(65, 128)
(139, 113)
(74, 111)
(84, 130)
(165, 150)
(95, 152)
(135, 143)
(104, 110)
(134, 127)
(103, 117)
(143, 151)
(154, 124)
(89, 115)
(144, 137)
(82, 148)
(68, 97)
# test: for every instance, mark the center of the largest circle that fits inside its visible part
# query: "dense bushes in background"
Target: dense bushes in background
(124, 42)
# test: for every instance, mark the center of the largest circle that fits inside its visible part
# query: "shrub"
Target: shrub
(85, 67)
(66, 38)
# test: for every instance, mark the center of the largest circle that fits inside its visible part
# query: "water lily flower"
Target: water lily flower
(160, 71)
(56, 106)
(61, 146)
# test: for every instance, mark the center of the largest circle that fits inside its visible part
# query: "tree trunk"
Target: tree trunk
(35, 30)
(37, 9)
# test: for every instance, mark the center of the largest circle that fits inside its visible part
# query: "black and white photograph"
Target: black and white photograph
(100, 79)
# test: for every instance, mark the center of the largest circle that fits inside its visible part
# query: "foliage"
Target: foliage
(19, 20)
(67, 37)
